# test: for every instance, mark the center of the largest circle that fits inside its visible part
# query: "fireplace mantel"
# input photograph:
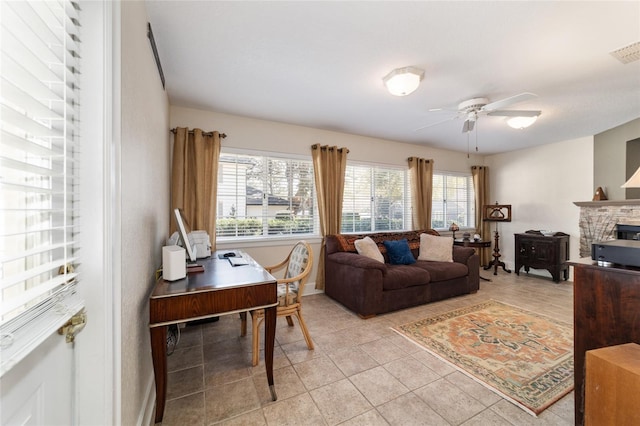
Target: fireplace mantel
(598, 220)
(607, 203)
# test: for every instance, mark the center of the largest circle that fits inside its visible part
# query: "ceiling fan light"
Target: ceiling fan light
(403, 81)
(521, 122)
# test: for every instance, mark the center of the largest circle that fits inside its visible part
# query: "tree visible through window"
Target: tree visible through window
(264, 195)
(375, 199)
(453, 200)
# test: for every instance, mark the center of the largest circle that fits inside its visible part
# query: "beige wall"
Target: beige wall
(145, 206)
(253, 134)
(610, 158)
(541, 185)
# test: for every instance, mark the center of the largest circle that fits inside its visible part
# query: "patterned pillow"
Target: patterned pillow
(399, 252)
(367, 247)
(346, 242)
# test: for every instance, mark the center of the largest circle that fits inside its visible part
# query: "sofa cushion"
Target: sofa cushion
(442, 271)
(367, 247)
(399, 252)
(434, 248)
(402, 276)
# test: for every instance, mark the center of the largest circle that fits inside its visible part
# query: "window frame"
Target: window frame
(406, 197)
(470, 200)
(270, 239)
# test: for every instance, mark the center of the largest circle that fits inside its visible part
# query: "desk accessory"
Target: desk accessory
(173, 264)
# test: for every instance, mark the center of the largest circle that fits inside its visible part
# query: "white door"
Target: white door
(38, 390)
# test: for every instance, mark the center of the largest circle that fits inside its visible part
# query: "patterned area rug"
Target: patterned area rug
(522, 356)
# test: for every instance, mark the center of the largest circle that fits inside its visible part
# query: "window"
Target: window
(260, 196)
(38, 170)
(375, 198)
(453, 200)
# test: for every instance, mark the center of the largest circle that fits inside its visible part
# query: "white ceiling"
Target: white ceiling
(320, 64)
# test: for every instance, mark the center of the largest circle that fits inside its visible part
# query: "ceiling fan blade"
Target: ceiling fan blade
(508, 101)
(514, 113)
(436, 123)
(468, 125)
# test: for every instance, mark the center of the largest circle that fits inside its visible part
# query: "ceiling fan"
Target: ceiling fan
(471, 109)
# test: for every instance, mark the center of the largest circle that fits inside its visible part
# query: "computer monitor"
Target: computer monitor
(183, 232)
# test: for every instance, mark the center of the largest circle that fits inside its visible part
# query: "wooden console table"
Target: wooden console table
(221, 289)
(538, 251)
(606, 312)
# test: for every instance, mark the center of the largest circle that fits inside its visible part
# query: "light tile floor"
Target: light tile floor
(360, 373)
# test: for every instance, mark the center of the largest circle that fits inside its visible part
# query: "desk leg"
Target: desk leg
(159, 357)
(269, 343)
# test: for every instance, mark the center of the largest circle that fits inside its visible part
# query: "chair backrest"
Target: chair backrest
(300, 262)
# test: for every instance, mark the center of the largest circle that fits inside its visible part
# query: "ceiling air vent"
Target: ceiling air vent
(628, 53)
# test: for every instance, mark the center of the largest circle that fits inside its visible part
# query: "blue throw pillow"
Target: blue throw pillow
(399, 252)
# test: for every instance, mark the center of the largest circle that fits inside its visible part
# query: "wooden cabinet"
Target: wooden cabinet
(606, 312)
(535, 250)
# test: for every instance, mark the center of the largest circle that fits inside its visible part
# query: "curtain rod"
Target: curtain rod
(222, 135)
(330, 148)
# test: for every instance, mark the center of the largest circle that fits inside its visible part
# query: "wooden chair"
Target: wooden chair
(298, 265)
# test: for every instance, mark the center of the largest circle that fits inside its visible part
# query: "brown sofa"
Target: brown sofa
(368, 287)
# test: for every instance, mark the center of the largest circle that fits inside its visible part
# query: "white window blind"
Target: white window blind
(265, 196)
(38, 172)
(376, 198)
(453, 200)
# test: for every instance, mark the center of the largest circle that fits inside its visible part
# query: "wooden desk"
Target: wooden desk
(221, 289)
(606, 312)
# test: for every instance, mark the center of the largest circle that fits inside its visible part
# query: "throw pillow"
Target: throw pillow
(399, 252)
(434, 248)
(367, 247)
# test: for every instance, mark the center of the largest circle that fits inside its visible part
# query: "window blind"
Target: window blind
(265, 196)
(40, 61)
(376, 198)
(453, 200)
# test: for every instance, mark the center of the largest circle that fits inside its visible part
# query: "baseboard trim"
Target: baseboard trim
(310, 288)
(147, 413)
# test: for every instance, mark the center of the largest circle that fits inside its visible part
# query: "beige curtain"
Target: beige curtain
(481, 190)
(421, 191)
(194, 179)
(329, 165)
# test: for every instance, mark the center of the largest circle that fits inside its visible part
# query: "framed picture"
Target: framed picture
(497, 213)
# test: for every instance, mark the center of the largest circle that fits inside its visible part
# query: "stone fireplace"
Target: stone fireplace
(598, 220)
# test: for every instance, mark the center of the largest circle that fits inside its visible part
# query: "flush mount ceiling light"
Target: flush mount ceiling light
(521, 122)
(403, 81)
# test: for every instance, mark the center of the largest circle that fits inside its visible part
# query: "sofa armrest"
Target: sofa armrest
(355, 281)
(462, 254)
